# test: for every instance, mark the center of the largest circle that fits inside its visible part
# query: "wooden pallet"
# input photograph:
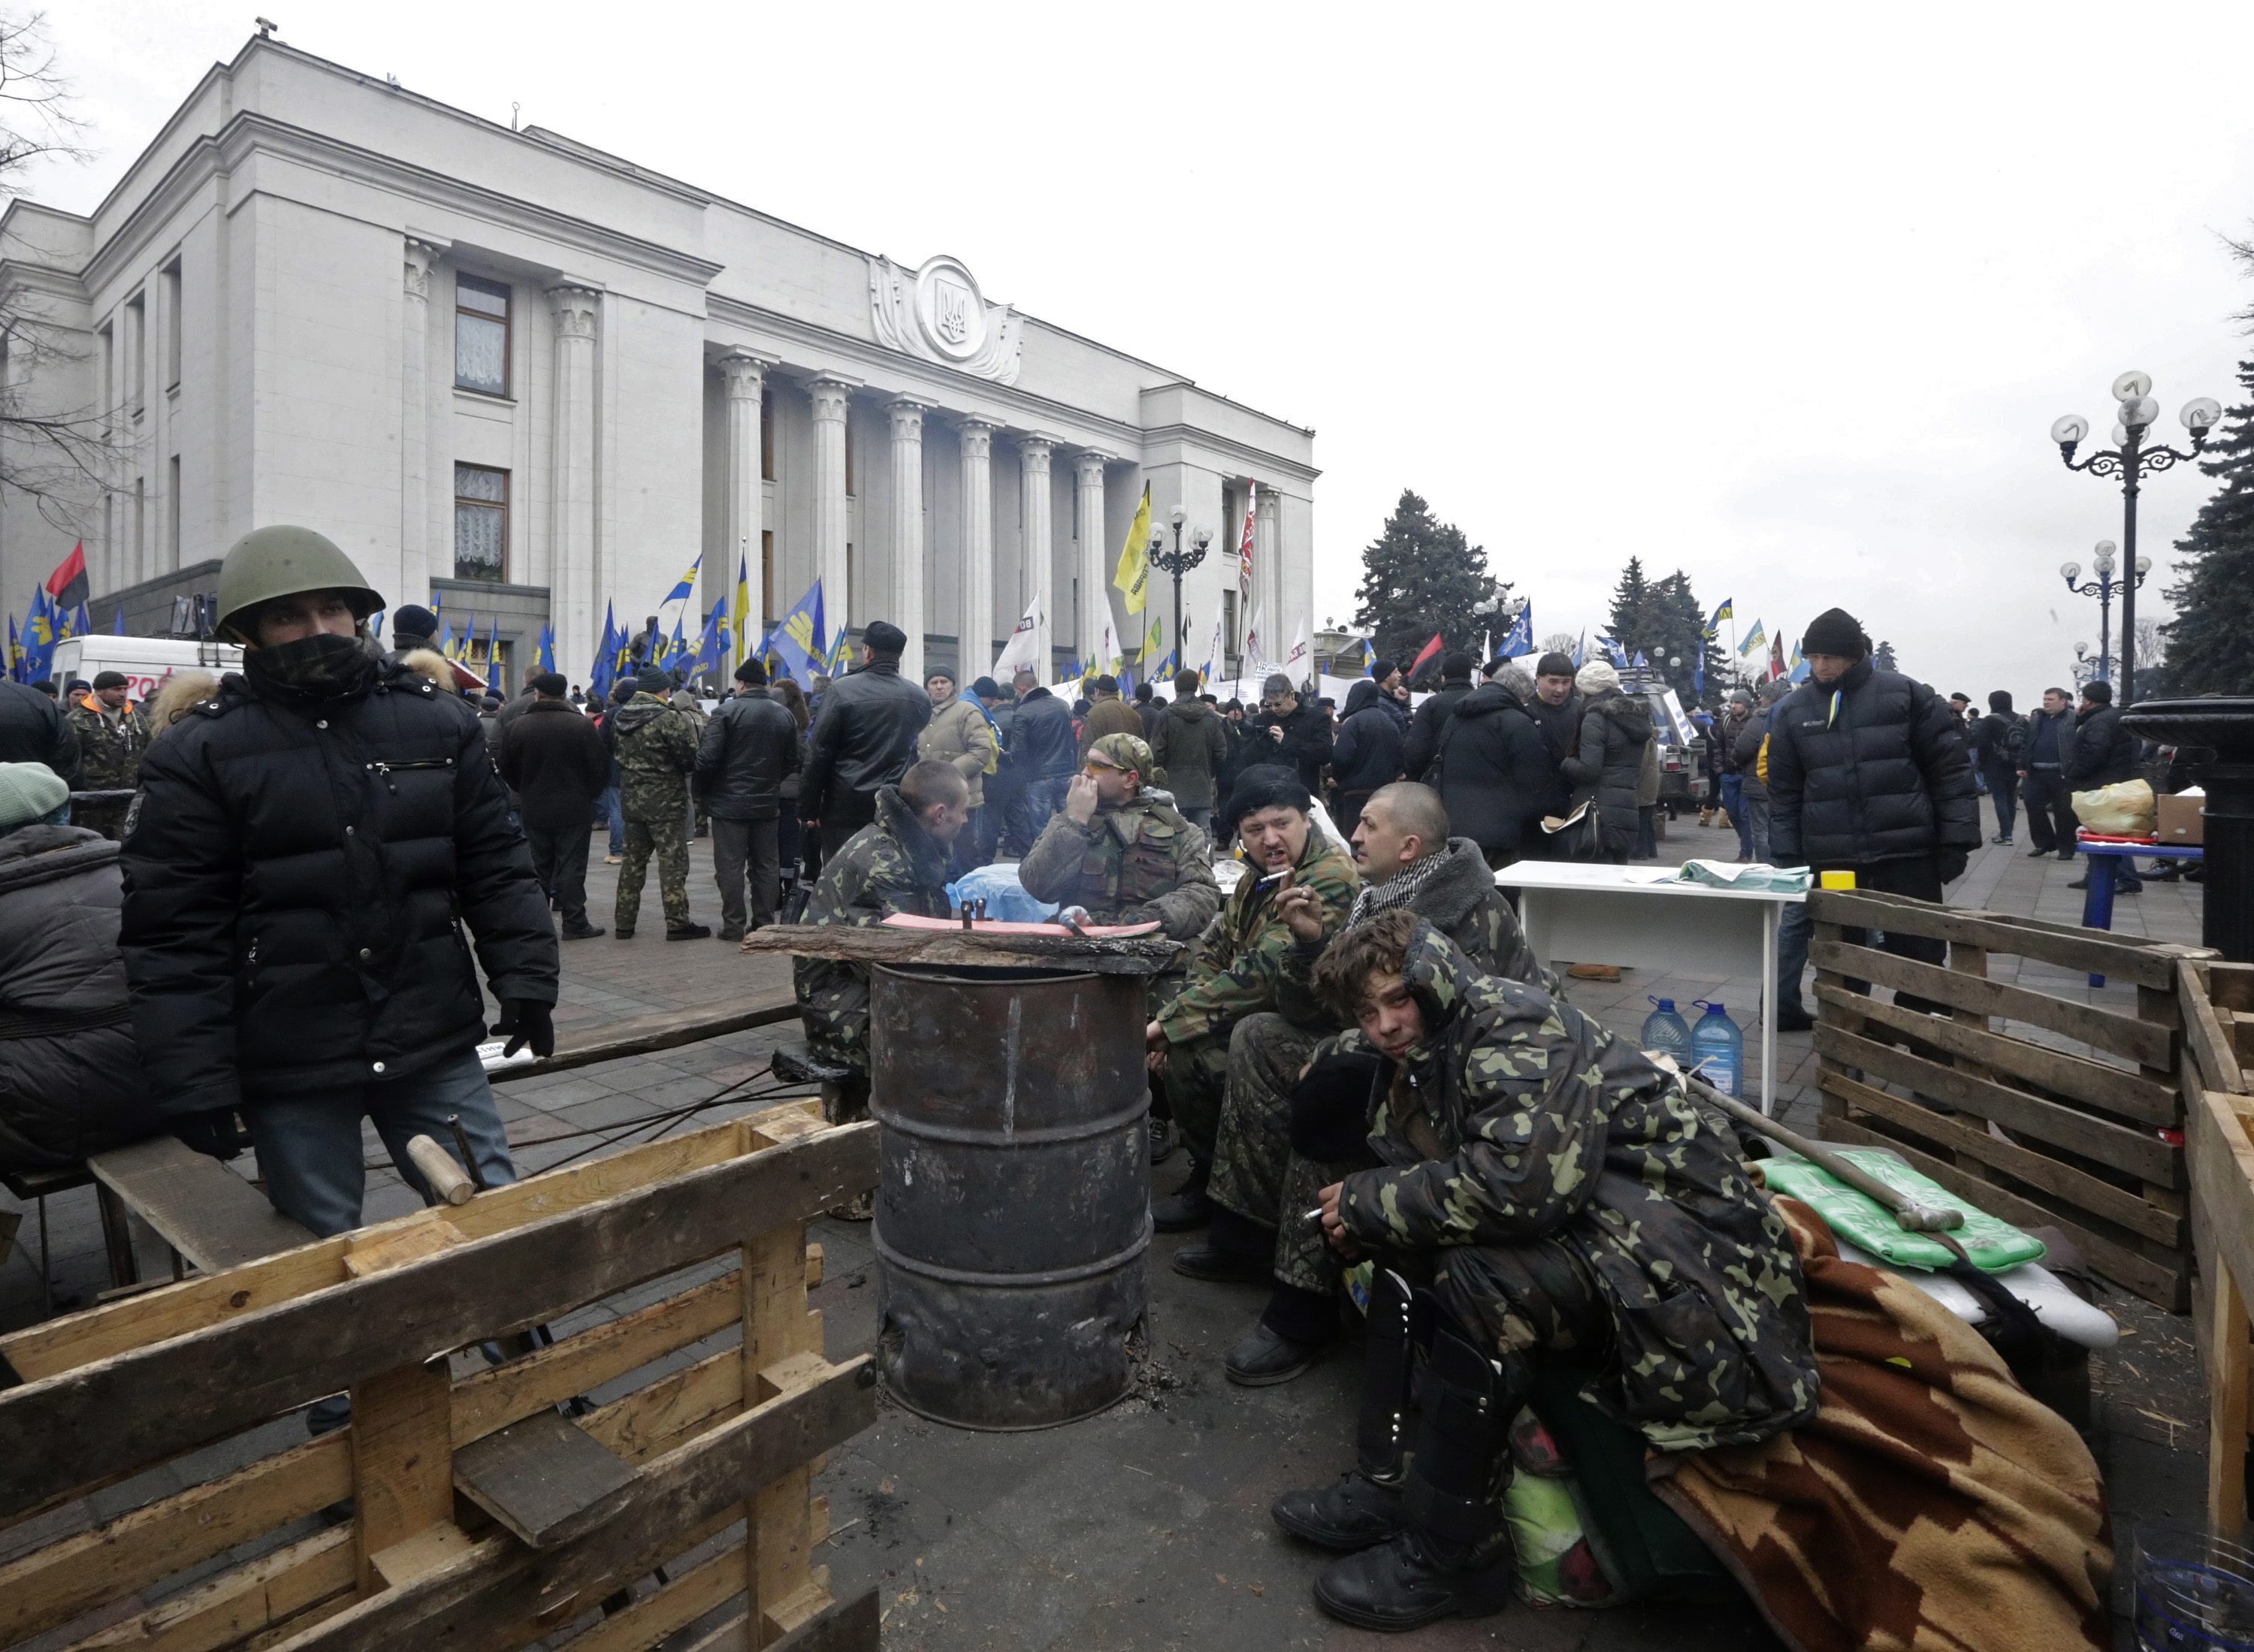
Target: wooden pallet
(2065, 1132)
(482, 1515)
(2218, 1001)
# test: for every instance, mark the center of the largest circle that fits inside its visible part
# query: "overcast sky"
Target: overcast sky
(1778, 295)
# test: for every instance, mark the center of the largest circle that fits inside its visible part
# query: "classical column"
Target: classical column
(571, 570)
(745, 377)
(1034, 475)
(1278, 628)
(415, 428)
(974, 647)
(1094, 600)
(830, 395)
(907, 530)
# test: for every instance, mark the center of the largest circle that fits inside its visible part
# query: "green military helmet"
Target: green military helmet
(267, 563)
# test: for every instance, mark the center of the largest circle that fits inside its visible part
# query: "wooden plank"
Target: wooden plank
(844, 1626)
(89, 1422)
(543, 1477)
(651, 1421)
(2122, 1035)
(53, 1585)
(2140, 1153)
(501, 1583)
(2115, 1089)
(212, 1216)
(688, 1597)
(645, 1035)
(2211, 1048)
(778, 1550)
(2228, 1393)
(398, 1247)
(2230, 986)
(257, 1595)
(586, 1360)
(2101, 1198)
(2086, 951)
(1135, 955)
(402, 1457)
(2222, 1157)
(2162, 1283)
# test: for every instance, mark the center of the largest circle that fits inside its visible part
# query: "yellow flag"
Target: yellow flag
(1155, 641)
(1134, 574)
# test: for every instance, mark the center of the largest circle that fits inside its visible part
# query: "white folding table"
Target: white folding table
(1645, 916)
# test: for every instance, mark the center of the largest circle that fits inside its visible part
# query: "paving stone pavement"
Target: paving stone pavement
(1145, 1527)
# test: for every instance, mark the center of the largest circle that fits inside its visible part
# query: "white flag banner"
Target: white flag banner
(1255, 647)
(1216, 659)
(1107, 661)
(1296, 661)
(1022, 651)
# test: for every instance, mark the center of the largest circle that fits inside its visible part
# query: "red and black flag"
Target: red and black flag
(67, 584)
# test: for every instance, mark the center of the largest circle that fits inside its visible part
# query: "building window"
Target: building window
(109, 337)
(172, 513)
(480, 336)
(849, 451)
(136, 347)
(172, 286)
(480, 523)
(766, 575)
(1227, 621)
(766, 438)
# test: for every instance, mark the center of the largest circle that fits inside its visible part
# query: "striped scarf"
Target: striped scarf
(1400, 889)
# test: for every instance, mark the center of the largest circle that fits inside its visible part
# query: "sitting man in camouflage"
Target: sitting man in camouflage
(1261, 1187)
(1121, 851)
(112, 734)
(656, 745)
(1236, 966)
(898, 863)
(1558, 1204)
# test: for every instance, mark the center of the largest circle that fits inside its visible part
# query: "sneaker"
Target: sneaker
(1162, 1141)
(688, 932)
(1593, 971)
(582, 931)
(613, 860)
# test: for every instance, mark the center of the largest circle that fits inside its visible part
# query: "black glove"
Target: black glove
(217, 1132)
(1951, 863)
(524, 1022)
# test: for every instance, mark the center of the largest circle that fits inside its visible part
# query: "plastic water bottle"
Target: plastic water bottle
(1665, 1032)
(1717, 1049)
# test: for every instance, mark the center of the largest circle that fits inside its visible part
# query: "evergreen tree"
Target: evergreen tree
(1631, 608)
(1883, 657)
(2211, 643)
(1421, 577)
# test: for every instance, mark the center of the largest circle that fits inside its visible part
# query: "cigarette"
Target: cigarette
(1273, 876)
(1316, 1215)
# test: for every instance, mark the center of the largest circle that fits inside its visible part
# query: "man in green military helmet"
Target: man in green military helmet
(308, 847)
(655, 744)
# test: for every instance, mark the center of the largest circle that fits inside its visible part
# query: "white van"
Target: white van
(146, 662)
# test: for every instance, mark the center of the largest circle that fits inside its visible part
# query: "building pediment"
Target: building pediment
(937, 314)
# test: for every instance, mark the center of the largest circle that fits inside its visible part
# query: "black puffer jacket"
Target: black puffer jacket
(1424, 727)
(297, 880)
(1365, 752)
(1493, 771)
(750, 747)
(1873, 768)
(34, 730)
(1999, 740)
(70, 1080)
(1305, 745)
(1041, 740)
(1560, 725)
(865, 737)
(2104, 753)
(1606, 766)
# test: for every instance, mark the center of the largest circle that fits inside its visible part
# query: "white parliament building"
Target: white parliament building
(525, 378)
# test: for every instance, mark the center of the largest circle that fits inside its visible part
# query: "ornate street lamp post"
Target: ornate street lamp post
(2130, 460)
(2102, 588)
(1176, 562)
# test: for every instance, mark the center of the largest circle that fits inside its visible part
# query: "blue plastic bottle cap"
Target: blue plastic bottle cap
(1716, 1009)
(1664, 1003)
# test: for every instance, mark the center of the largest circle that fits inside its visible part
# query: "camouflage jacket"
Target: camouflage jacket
(1235, 966)
(1457, 897)
(112, 747)
(1127, 866)
(1547, 1127)
(893, 865)
(656, 748)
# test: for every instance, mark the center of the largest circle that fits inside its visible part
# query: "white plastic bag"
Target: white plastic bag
(2124, 810)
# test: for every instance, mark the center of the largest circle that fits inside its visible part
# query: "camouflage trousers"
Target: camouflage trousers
(1197, 1076)
(1538, 1300)
(109, 819)
(1255, 1172)
(663, 838)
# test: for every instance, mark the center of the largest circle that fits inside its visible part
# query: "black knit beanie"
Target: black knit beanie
(1835, 631)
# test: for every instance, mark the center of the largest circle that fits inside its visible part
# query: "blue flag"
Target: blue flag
(603, 676)
(687, 586)
(39, 639)
(711, 648)
(1580, 650)
(118, 628)
(543, 658)
(15, 653)
(1520, 640)
(798, 638)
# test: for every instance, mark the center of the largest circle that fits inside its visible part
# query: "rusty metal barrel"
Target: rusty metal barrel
(1013, 1201)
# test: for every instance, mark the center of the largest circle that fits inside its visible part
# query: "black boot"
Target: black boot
(1363, 1507)
(1454, 1558)
(1187, 1206)
(1290, 1336)
(1235, 1251)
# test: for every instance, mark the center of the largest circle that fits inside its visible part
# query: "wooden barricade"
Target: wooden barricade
(2218, 1000)
(2080, 1129)
(489, 1506)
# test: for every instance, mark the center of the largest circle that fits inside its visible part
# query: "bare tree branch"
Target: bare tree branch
(38, 120)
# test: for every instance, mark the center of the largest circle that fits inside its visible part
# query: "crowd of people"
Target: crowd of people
(1358, 1049)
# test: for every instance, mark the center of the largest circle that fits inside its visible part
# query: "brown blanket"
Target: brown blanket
(1932, 1503)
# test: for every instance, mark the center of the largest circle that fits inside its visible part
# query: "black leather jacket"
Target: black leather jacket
(1041, 739)
(750, 747)
(865, 737)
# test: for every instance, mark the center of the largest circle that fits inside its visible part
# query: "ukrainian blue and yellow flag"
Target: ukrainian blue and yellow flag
(687, 586)
(799, 637)
(740, 619)
(1756, 638)
(1714, 621)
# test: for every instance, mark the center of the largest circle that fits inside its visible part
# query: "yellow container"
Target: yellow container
(1837, 879)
